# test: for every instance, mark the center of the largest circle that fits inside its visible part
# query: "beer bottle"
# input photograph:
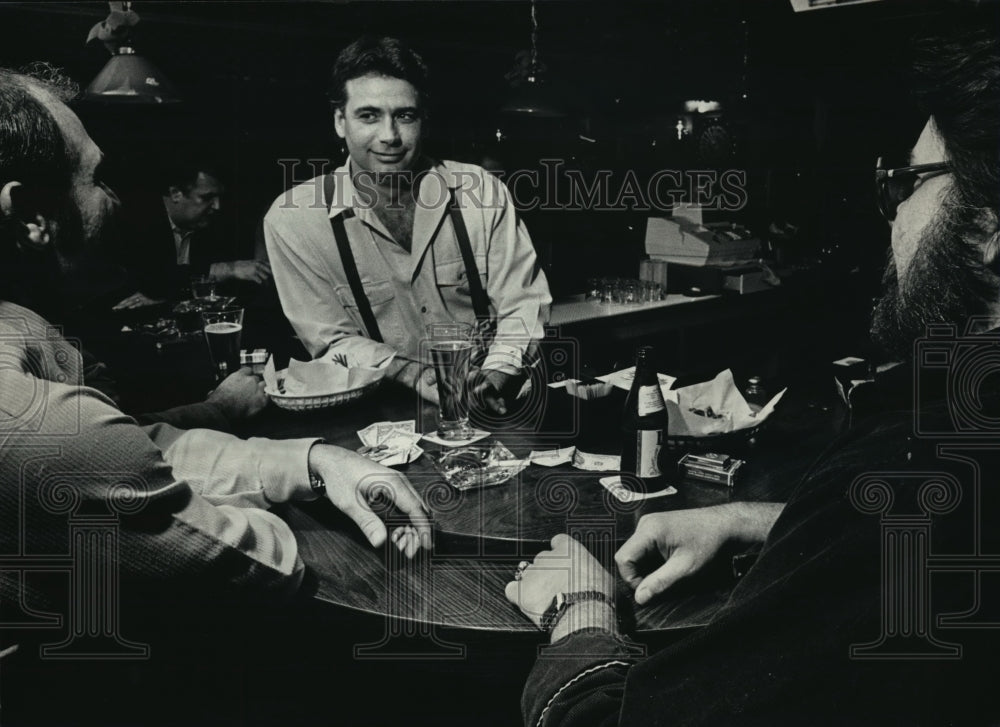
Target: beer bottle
(644, 422)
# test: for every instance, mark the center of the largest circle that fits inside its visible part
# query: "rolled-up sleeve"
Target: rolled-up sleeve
(306, 283)
(225, 469)
(516, 286)
(81, 451)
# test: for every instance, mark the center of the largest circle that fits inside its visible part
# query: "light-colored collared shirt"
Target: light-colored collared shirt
(199, 496)
(407, 290)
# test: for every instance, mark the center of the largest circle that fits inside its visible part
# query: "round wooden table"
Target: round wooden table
(481, 535)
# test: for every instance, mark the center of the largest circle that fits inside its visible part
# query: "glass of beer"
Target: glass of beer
(451, 346)
(223, 330)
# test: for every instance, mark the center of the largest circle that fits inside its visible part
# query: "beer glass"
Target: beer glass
(451, 346)
(223, 329)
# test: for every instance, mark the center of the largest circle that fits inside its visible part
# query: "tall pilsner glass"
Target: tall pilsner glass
(451, 346)
(223, 329)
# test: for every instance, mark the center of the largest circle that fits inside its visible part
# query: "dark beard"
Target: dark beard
(946, 283)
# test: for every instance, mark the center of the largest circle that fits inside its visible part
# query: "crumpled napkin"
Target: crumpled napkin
(332, 373)
(713, 407)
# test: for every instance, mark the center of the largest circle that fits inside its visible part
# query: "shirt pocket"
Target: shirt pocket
(380, 297)
(453, 283)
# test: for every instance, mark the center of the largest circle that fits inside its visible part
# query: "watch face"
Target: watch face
(558, 603)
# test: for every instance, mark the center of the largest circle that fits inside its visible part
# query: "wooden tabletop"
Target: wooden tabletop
(481, 535)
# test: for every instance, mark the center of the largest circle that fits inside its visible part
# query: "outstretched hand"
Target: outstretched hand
(354, 483)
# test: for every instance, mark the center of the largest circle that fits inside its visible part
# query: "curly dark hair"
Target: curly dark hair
(384, 56)
(957, 74)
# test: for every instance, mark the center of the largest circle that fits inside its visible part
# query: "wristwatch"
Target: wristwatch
(563, 601)
(317, 484)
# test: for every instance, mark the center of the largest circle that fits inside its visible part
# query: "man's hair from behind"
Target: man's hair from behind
(957, 70)
(380, 56)
(32, 148)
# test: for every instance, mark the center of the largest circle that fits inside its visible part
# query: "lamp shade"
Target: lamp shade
(532, 97)
(130, 78)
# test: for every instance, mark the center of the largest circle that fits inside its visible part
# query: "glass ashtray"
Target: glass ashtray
(476, 466)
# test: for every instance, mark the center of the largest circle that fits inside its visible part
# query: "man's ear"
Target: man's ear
(6, 200)
(17, 201)
(338, 121)
(175, 194)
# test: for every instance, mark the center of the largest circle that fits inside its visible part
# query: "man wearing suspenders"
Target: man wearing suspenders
(368, 255)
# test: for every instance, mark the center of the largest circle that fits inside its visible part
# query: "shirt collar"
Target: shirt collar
(179, 232)
(434, 192)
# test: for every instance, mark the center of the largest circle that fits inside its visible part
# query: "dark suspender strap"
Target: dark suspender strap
(480, 301)
(347, 260)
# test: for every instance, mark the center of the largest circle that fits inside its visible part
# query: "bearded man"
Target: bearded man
(838, 621)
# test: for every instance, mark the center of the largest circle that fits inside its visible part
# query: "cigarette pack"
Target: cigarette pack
(710, 467)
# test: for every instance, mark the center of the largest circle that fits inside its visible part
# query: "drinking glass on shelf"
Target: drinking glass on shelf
(203, 287)
(451, 346)
(223, 330)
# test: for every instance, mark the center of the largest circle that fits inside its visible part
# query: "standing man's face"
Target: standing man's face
(93, 201)
(195, 209)
(381, 123)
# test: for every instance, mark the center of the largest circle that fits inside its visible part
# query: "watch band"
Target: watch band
(317, 484)
(562, 601)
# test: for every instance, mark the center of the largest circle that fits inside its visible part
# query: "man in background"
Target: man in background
(166, 242)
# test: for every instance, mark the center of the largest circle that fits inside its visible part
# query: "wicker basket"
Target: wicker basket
(309, 403)
(716, 442)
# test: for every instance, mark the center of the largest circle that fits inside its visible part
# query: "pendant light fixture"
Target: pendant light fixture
(530, 95)
(128, 77)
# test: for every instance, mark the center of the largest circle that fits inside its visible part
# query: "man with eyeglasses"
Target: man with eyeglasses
(839, 620)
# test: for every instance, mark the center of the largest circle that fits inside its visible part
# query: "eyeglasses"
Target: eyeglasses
(893, 186)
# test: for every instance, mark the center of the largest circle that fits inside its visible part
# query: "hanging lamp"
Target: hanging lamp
(127, 77)
(530, 94)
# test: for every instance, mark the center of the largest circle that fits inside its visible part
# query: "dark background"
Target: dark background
(810, 99)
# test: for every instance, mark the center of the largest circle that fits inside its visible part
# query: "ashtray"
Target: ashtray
(476, 466)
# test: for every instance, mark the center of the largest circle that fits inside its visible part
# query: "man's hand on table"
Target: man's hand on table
(354, 482)
(250, 271)
(493, 390)
(416, 376)
(684, 541)
(240, 395)
(136, 300)
(566, 567)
